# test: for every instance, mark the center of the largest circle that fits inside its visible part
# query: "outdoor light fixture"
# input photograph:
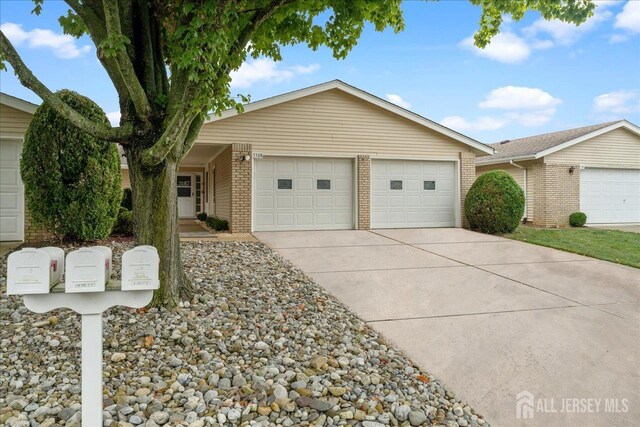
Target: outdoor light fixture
(245, 158)
(571, 169)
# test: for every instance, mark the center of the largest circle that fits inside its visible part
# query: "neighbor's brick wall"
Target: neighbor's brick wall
(557, 194)
(240, 221)
(222, 165)
(467, 178)
(364, 192)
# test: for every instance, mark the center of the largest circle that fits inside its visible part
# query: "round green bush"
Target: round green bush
(71, 179)
(202, 216)
(124, 223)
(577, 219)
(494, 203)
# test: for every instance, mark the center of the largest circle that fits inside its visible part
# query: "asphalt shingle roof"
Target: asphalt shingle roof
(531, 145)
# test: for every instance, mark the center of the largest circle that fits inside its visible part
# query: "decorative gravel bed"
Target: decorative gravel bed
(261, 344)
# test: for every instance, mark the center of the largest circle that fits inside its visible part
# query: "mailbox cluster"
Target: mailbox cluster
(37, 271)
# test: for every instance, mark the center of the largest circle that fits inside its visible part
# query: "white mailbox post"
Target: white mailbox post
(31, 273)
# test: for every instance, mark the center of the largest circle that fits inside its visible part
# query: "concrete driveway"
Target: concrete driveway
(492, 317)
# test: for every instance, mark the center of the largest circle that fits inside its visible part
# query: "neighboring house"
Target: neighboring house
(327, 157)
(15, 223)
(593, 169)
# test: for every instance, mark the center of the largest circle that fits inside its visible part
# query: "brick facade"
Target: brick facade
(32, 231)
(240, 220)
(364, 192)
(467, 178)
(557, 194)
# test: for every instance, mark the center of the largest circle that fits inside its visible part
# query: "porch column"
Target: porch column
(240, 221)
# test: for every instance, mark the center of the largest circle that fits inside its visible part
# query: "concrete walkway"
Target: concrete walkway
(492, 317)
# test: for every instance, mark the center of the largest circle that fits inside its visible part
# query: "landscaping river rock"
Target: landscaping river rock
(258, 345)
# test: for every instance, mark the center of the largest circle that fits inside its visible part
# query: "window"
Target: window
(323, 184)
(429, 185)
(285, 184)
(184, 181)
(184, 192)
(198, 193)
(395, 185)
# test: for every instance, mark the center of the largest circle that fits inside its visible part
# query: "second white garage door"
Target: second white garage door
(296, 193)
(610, 196)
(407, 193)
(11, 191)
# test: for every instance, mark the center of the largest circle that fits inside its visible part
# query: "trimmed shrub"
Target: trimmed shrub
(71, 179)
(577, 219)
(202, 216)
(127, 199)
(494, 203)
(124, 223)
(217, 224)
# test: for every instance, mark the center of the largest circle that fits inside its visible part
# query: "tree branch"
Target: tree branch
(129, 77)
(192, 135)
(175, 131)
(28, 80)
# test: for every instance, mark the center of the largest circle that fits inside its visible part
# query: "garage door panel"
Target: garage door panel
(11, 191)
(610, 195)
(321, 194)
(416, 203)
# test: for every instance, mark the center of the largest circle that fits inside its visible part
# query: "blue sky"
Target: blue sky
(537, 76)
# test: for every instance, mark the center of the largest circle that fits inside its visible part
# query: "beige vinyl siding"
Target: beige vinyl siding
(331, 122)
(519, 176)
(124, 178)
(618, 147)
(13, 123)
(221, 166)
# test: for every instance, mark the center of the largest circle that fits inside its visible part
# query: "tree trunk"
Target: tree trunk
(155, 222)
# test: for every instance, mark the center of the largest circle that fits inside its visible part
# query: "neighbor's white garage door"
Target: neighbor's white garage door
(11, 191)
(610, 195)
(295, 193)
(407, 193)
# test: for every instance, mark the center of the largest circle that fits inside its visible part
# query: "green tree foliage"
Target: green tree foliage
(494, 203)
(71, 178)
(141, 43)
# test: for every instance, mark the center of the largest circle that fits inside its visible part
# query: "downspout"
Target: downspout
(526, 198)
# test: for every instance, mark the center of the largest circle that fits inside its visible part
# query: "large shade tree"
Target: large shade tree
(170, 63)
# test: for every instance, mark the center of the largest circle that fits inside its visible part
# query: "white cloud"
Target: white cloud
(62, 45)
(114, 118)
(505, 47)
(519, 97)
(397, 99)
(618, 102)
(522, 106)
(485, 123)
(267, 70)
(629, 18)
(618, 38)
(566, 33)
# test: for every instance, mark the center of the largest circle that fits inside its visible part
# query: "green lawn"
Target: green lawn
(610, 245)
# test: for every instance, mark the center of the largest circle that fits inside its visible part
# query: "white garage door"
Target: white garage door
(610, 196)
(11, 191)
(303, 194)
(407, 193)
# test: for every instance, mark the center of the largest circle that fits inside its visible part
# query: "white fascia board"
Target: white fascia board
(506, 160)
(621, 124)
(365, 96)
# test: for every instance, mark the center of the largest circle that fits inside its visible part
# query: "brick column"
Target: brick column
(364, 192)
(557, 195)
(467, 178)
(240, 189)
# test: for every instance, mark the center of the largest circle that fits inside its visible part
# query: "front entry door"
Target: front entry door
(186, 196)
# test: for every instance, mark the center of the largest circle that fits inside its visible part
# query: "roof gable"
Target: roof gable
(362, 95)
(537, 146)
(17, 103)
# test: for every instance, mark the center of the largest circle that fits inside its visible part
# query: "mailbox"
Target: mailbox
(140, 267)
(34, 271)
(88, 269)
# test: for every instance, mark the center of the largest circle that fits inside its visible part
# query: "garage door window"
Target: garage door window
(323, 184)
(285, 184)
(429, 185)
(395, 185)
